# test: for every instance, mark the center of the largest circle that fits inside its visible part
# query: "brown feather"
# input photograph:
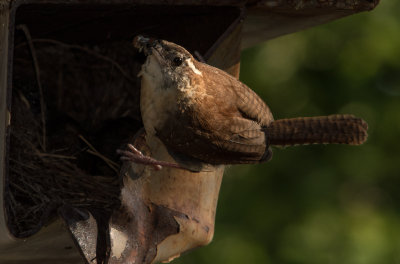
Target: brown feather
(333, 129)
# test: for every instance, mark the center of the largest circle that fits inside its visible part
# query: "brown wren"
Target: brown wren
(201, 113)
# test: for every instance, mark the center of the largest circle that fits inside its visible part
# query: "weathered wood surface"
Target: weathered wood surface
(163, 213)
(272, 18)
(51, 245)
(4, 114)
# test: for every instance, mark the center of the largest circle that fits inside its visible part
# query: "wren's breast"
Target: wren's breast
(156, 105)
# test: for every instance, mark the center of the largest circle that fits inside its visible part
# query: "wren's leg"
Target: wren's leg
(136, 156)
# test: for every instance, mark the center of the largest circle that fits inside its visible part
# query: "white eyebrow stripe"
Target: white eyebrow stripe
(194, 69)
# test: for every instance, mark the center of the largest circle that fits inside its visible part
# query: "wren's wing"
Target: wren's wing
(251, 105)
(244, 136)
(244, 142)
(245, 101)
(226, 141)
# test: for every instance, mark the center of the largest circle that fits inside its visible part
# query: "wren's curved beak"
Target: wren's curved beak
(144, 44)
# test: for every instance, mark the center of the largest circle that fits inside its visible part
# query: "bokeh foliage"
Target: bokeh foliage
(320, 204)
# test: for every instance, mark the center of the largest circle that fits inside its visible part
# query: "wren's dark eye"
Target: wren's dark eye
(177, 61)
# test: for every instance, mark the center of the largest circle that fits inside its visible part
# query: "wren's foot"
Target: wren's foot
(136, 156)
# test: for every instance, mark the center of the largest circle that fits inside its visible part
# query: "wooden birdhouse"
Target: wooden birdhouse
(69, 97)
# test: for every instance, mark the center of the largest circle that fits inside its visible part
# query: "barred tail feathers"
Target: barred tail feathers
(333, 129)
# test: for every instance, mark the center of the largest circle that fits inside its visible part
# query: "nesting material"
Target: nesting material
(72, 107)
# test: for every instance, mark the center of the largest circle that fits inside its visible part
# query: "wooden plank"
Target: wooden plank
(271, 19)
(4, 113)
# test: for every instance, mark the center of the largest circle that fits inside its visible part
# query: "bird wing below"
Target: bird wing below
(252, 106)
(237, 140)
(244, 141)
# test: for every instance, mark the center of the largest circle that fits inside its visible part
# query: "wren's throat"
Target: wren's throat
(163, 92)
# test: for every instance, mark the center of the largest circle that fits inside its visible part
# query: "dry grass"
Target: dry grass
(72, 106)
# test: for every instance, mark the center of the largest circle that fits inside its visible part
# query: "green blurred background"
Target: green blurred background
(320, 204)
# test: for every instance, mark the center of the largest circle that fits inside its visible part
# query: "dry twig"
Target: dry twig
(113, 165)
(32, 50)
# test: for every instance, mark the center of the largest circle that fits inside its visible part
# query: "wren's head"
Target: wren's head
(167, 64)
